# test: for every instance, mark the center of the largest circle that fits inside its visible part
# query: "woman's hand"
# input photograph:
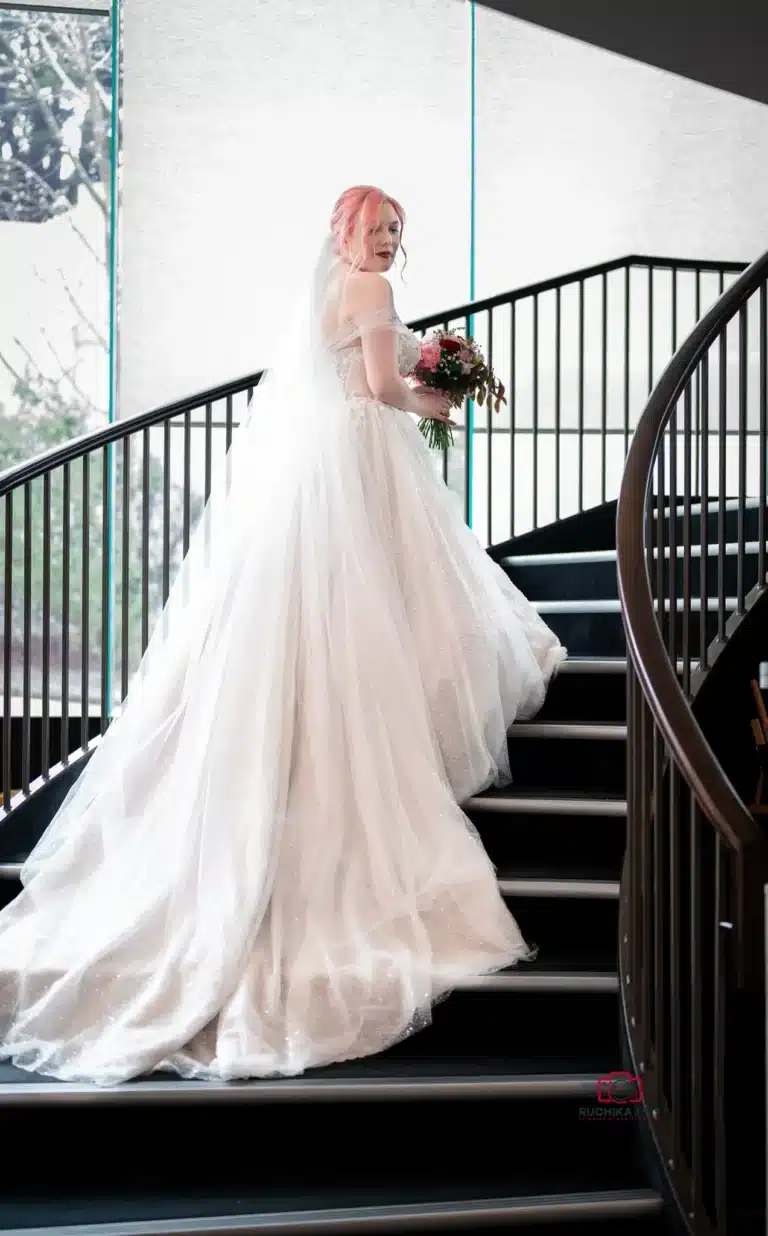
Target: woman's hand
(434, 405)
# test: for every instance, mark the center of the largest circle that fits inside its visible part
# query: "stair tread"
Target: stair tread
(367, 1077)
(387, 1206)
(562, 884)
(546, 801)
(597, 730)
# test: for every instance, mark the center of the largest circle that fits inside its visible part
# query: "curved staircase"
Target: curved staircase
(526, 1102)
(492, 1116)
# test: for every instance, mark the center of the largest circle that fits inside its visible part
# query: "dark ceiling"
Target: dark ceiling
(721, 43)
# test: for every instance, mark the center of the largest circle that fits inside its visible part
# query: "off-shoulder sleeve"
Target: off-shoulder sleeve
(374, 309)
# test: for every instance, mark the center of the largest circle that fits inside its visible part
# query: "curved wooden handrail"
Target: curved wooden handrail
(657, 676)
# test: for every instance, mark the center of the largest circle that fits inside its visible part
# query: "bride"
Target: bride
(264, 866)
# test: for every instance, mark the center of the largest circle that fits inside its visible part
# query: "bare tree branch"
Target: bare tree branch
(66, 370)
(55, 129)
(4, 361)
(98, 336)
(81, 236)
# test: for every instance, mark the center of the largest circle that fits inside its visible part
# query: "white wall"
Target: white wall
(243, 122)
(584, 155)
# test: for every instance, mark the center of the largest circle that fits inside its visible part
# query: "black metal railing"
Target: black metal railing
(93, 531)
(579, 355)
(692, 562)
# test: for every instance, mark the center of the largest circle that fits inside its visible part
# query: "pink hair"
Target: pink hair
(361, 203)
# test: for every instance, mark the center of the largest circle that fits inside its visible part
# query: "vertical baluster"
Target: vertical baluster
(535, 412)
(45, 736)
(208, 448)
(228, 420)
(85, 642)
(672, 438)
(722, 430)
(512, 413)
(7, 649)
(661, 540)
(106, 542)
(762, 443)
(658, 893)
(145, 461)
(581, 395)
(627, 325)
(187, 479)
(696, 1062)
(489, 418)
(65, 591)
(703, 391)
(686, 631)
(650, 329)
(126, 579)
(719, 1025)
(674, 309)
(640, 891)
(558, 396)
(26, 670)
(167, 509)
(633, 690)
(697, 411)
(604, 391)
(673, 918)
(742, 463)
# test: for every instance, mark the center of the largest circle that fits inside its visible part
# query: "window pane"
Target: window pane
(55, 216)
(55, 151)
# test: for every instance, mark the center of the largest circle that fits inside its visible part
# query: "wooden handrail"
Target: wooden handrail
(645, 645)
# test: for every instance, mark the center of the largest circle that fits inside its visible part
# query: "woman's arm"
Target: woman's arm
(368, 302)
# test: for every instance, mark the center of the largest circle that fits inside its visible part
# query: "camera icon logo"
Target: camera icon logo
(620, 1087)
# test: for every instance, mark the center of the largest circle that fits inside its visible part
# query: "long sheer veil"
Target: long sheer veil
(264, 864)
(275, 438)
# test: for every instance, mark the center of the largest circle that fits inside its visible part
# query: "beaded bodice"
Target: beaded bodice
(351, 366)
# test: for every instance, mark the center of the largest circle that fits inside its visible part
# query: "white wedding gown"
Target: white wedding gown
(264, 866)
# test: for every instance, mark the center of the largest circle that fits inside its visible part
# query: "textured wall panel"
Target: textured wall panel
(243, 121)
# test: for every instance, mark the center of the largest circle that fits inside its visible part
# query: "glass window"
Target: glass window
(56, 95)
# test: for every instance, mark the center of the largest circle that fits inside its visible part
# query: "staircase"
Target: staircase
(493, 1117)
(489, 1118)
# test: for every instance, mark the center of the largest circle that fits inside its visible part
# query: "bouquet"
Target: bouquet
(455, 366)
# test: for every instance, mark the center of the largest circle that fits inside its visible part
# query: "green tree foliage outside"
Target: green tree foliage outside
(56, 100)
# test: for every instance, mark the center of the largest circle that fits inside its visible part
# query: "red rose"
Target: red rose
(450, 345)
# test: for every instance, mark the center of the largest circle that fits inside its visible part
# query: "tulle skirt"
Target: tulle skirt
(264, 867)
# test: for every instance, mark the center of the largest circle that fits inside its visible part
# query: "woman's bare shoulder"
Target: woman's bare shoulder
(364, 292)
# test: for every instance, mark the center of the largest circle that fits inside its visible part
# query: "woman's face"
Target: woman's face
(384, 241)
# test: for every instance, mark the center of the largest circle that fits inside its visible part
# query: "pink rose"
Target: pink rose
(430, 355)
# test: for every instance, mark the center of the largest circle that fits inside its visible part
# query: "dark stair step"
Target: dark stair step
(587, 627)
(575, 926)
(567, 835)
(588, 690)
(592, 575)
(179, 1162)
(579, 1211)
(569, 755)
